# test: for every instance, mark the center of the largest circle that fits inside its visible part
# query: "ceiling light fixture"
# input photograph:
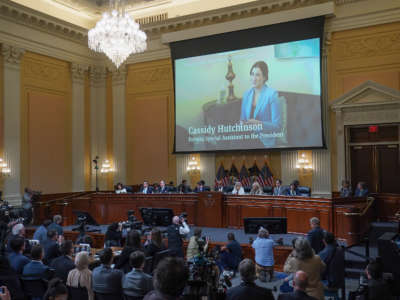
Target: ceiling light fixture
(117, 34)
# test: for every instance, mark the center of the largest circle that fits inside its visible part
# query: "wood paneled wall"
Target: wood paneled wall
(355, 56)
(46, 158)
(150, 122)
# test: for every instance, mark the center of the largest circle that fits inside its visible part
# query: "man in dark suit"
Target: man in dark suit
(293, 190)
(36, 270)
(105, 279)
(300, 283)
(16, 258)
(201, 187)
(316, 235)
(146, 188)
(51, 248)
(64, 263)
(163, 187)
(279, 190)
(248, 289)
(183, 187)
(361, 190)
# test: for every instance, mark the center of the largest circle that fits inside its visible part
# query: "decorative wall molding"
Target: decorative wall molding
(12, 55)
(119, 75)
(98, 75)
(78, 72)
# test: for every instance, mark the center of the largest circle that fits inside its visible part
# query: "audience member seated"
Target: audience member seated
(304, 259)
(51, 247)
(248, 289)
(107, 281)
(279, 190)
(36, 270)
(196, 246)
(113, 235)
(183, 187)
(264, 250)
(56, 290)
(231, 254)
(378, 289)
(133, 243)
(163, 188)
(238, 189)
(316, 235)
(136, 283)
(9, 278)
(79, 281)
(200, 187)
(120, 189)
(333, 257)
(18, 231)
(300, 283)
(155, 243)
(176, 231)
(293, 190)
(146, 188)
(345, 190)
(56, 225)
(169, 280)
(64, 263)
(41, 232)
(361, 190)
(16, 258)
(256, 189)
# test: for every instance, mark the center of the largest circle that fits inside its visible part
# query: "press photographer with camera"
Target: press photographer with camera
(176, 231)
(196, 245)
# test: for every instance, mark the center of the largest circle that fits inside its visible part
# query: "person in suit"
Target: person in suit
(316, 235)
(56, 225)
(183, 187)
(345, 190)
(278, 189)
(219, 187)
(10, 278)
(41, 232)
(16, 258)
(113, 235)
(133, 243)
(361, 190)
(146, 188)
(300, 283)
(163, 189)
(292, 191)
(18, 230)
(200, 187)
(377, 288)
(136, 283)
(248, 289)
(35, 269)
(176, 231)
(64, 263)
(260, 104)
(51, 247)
(105, 279)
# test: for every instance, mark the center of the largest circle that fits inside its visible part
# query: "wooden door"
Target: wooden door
(388, 167)
(362, 166)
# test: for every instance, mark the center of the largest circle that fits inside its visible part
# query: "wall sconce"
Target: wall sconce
(303, 163)
(4, 169)
(106, 167)
(193, 165)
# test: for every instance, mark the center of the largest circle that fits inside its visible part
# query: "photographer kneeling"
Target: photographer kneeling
(197, 245)
(176, 231)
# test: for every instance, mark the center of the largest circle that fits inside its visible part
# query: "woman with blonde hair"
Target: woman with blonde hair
(256, 189)
(238, 189)
(79, 280)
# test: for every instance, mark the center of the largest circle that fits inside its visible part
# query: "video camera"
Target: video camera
(132, 223)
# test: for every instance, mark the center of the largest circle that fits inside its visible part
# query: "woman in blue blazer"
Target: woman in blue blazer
(260, 104)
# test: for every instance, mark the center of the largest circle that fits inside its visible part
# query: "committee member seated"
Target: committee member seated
(15, 257)
(196, 245)
(200, 187)
(64, 263)
(169, 279)
(176, 231)
(361, 190)
(279, 190)
(81, 276)
(163, 188)
(56, 225)
(146, 188)
(316, 235)
(248, 289)
(105, 279)
(345, 190)
(238, 189)
(136, 283)
(120, 189)
(183, 187)
(256, 189)
(35, 269)
(219, 187)
(300, 283)
(292, 191)
(113, 235)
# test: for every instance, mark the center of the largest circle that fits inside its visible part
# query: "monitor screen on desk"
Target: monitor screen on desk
(252, 89)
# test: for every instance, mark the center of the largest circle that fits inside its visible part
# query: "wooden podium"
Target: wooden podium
(210, 209)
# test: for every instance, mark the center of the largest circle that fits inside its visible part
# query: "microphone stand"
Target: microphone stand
(96, 168)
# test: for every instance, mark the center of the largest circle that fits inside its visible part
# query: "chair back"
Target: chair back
(148, 265)
(267, 189)
(34, 288)
(77, 293)
(160, 256)
(99, 296)
(304, 191)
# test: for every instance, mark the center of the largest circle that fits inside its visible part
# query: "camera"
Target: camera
(132, 223)
(183, 217)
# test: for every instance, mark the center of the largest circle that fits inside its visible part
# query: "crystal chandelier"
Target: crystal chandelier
(117, 34)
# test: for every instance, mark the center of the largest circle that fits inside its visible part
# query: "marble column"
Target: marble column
(78, 126)
(119, 128)
(98, 138)
(207, 168)
(288, 167)
(12, 122)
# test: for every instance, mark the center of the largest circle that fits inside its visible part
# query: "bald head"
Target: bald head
(300, 280)
(175, 220)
